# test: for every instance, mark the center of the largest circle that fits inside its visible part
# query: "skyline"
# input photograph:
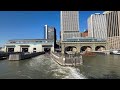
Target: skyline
(30, 24)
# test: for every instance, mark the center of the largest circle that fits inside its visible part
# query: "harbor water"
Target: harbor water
(43, 67)
(40, 67)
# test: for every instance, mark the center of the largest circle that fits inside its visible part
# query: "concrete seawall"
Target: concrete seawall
(22, 56)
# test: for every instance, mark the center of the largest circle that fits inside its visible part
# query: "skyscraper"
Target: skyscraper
(113, 29)
(69, 24)
(113, 23)
(97, 26)
(50, 33)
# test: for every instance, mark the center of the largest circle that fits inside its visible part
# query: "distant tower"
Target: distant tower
(113, 23)
(50, 33)
(45, 32)
(97, 26)
(113, 29)
(69, 24)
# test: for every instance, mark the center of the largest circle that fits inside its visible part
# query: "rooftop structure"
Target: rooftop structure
(24, 41)
(85, 39)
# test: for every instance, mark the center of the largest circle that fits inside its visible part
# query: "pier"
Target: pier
(67, 60)
(3, 55)
(22, 56)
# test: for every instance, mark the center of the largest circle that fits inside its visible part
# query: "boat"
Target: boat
(116, 52)
(88, 54)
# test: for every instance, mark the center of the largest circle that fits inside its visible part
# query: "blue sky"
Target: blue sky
(30, 24)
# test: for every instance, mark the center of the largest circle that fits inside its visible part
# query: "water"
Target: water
(101, 67)
(43, 67)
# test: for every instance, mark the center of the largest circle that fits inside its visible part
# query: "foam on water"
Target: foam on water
(74, 73)
(50, 66)
(70, 72)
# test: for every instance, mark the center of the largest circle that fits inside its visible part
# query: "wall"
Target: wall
(30, 49)
(78, 45)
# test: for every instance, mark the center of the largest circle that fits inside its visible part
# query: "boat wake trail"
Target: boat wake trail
(47, 68)
(74, 73)
(68, 72)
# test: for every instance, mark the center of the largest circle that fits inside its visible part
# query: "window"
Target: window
(34, 48)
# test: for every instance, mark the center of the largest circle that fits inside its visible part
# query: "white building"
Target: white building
(29, 45)
(113, 29)
(69, 21)
(97, 26)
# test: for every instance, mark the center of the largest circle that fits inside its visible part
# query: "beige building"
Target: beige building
(69, 21)
(106, 26)
(114, 42)
(113, 29)
(97, 26)
(29, 45)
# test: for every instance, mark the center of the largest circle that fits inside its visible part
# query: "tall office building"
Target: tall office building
(97, 26)
(113, 29)
(113, 23)
(69, 24)
(50, 33)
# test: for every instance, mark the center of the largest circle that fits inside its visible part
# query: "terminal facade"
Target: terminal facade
(29, 45)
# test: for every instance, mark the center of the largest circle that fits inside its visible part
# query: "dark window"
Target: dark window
(10, 49)
(34, 48)
(24, 49)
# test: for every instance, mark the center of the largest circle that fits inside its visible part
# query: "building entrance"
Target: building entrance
(10, 49)
(24, 49)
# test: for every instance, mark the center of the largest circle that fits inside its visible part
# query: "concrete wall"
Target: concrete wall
(17, 48)
(37, 46)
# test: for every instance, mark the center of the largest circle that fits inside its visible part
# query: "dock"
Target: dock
(67, 60)
(22, 56)
(3, 55)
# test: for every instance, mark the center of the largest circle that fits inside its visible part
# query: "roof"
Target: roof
(30, 40)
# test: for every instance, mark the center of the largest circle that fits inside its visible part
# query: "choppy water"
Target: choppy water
(41, 67)
(101, 67)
